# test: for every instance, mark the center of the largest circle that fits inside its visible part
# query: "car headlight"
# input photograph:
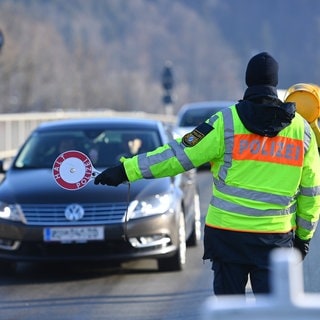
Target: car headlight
(157, 204)
(11, 212)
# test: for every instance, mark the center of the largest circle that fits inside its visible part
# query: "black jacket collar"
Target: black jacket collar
(263, 113)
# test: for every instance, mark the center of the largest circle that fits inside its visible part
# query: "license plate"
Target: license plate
(73, 234)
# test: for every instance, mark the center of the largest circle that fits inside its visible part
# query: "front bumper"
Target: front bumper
(150, 237)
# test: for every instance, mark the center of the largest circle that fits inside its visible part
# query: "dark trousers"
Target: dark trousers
(231, 278)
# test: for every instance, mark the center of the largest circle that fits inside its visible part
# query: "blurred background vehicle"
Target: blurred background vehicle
(192, 114)
(40, 221)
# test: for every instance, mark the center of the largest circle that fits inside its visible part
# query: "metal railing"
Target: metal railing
(15, 128)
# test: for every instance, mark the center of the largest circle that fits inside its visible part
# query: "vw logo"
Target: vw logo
(74, 212)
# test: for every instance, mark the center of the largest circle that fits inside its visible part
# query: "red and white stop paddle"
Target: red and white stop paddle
(72, 170)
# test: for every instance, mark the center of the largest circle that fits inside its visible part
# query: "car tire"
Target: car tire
(178, 260)
(195, 235)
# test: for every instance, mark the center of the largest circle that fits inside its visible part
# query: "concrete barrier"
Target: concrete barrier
(286, 301)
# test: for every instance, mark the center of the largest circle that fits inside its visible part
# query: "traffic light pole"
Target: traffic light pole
(167, 85)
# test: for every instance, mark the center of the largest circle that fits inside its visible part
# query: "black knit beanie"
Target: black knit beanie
(262, 69)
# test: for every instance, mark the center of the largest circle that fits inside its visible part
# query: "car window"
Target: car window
(104, 147)
(193, 117)
(41, 149)
(112, 145)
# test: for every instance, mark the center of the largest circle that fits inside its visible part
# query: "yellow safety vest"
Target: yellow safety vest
(260, 184)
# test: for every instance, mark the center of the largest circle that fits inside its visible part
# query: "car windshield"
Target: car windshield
(193, 117)
(104, 147)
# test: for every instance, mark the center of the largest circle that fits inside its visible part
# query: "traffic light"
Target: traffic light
(167, 99)
(167, 76)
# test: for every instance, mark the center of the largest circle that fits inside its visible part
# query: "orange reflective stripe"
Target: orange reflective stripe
(278, 149)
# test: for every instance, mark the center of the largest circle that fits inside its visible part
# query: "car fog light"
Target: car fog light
(150, 241)
(9, 244)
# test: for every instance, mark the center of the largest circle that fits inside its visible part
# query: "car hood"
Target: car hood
(39, 186)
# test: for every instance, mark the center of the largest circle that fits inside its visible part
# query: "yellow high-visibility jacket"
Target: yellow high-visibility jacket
(260, 184)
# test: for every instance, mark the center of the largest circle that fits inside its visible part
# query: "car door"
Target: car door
(187, 182)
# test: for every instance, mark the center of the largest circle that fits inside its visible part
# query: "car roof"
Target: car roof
(99, 122)
(199, 110)
(206, 104)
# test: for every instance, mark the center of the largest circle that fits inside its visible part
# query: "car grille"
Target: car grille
(52, 214)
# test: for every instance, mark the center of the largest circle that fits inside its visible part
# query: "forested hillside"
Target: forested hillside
(109, 54)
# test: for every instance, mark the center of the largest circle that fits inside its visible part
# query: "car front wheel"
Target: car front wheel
(195, 235)
(178, 260)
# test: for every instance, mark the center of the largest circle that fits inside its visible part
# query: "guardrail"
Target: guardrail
(15, 127)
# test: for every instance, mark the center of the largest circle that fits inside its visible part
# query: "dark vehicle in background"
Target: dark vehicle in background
(192, 114)
(42, 222)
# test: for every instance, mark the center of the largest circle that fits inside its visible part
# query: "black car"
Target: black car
(192, 114)
(41, 221)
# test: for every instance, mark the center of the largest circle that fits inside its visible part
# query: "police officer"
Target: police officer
(266, 190)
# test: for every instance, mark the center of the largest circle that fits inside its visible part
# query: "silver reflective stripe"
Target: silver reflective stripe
(310, 192)
(233, 207)
(228, 142)
(307, 136)
(176, 151)
(212, 120)
(253, 195)
(144, 163)
(307, 225)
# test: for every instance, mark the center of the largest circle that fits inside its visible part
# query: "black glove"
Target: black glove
(112, 176)
(302, 246)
